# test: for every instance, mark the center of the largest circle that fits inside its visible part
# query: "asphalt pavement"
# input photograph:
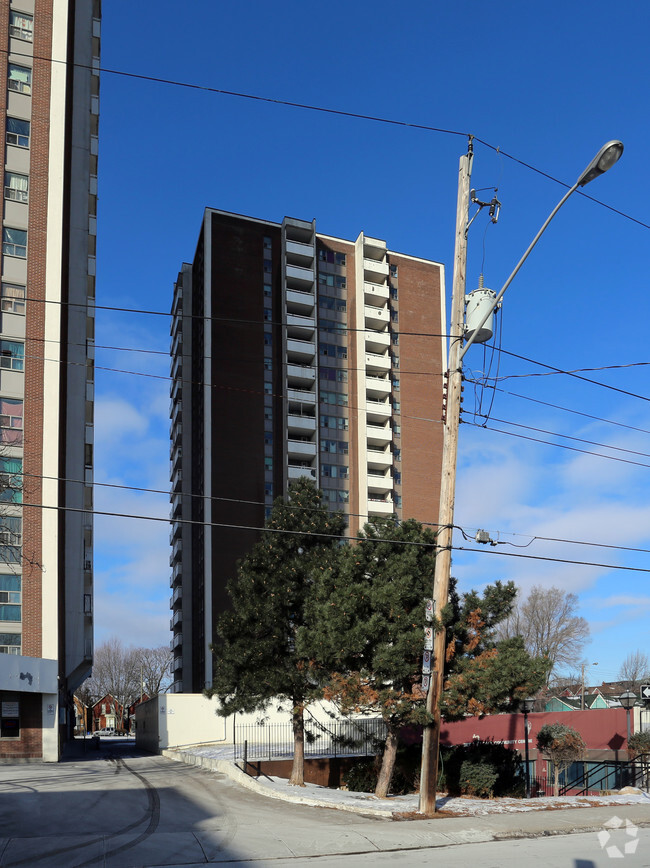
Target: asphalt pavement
(117, 807)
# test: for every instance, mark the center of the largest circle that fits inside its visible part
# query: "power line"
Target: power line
(559, 445)
(328, 111)
(257, 528)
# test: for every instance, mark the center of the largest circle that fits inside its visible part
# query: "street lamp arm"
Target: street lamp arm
(498, 298)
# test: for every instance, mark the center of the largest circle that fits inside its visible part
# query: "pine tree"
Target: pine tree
(256, 660)
(365, 629)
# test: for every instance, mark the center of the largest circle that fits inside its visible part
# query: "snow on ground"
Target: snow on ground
(462, 806)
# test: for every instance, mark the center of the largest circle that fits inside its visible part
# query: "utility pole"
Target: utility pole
(442, 573)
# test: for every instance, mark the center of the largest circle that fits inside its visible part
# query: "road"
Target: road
(116, 807)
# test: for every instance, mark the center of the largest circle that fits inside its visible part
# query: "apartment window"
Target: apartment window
(334, 446)
(12, 355)
(397, 477)
(268, 438)
(337, 375)
(9, 643)
(267, 266)
(268, 314)
(268, 463)
(339, 422)
(267, 291)
(339, 258)
(393, 271)
(397, 500)
(268, 365)
(268, 489)
(11, 421)
(18, 132)
(14, 242)
(20, 78)
(334, 351)
(9, 711)
(268, 414)
(335, 471)
(268, 242)
(394, 316)
(10, 608)
(329, 303)
(16, 187)
(331, 326)
(394, 338)
(396, 406)
(394, 360)
(338, 398)
(11, 480)
(397, 429)
(395, 382)
(12, 298)
(393, 292)
(11, 538)
(268, 340)
(268, 388)
(397, 454)
(21, 26)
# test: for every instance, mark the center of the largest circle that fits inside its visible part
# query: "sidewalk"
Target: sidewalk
(471, 820)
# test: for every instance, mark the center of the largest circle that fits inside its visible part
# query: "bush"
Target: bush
(498, 770)
(362, 777)
(639, 743)
(478, 779)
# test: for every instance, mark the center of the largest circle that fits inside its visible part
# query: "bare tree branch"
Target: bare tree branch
(634, 669)
(548, 623)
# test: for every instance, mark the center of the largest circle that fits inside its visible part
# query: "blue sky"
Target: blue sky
(546, 84)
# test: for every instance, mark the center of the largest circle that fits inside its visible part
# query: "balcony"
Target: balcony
(176, 618)
(379, 506)
(177, 551)
(301, 449)
(177, 480)
(375, 294)
(375, 269)
(300, 254)
(177, 368)
(300, 375)
(302, 396)
(301, 424)
(300, 327)
(378, 410)
(177, 663)
(177, 641)
(377, 362)
(378, 458)
(177, 344)
(378, 435)
(373, 248)
(301, 302)
(379, 482)
(177, 573)
(301, 278)
(176, 596)
(295, 471)
(300, 351)
(377, 342)
(376, 385)
(376, 317)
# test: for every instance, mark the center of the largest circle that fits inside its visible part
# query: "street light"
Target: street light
(527, 706)
(604, 160)
(628, 701)
(583, 666)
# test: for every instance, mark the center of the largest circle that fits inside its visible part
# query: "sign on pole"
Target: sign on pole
(426, 663)
(645, 692)
(426, 680)
(429, 609)
(428, 638)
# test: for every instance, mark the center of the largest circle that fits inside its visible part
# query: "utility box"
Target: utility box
(478, 303)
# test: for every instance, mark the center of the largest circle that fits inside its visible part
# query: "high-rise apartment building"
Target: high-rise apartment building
(49, 111)
(293, 354)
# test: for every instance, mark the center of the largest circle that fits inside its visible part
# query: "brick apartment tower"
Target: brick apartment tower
(293, 353)
(49, 106)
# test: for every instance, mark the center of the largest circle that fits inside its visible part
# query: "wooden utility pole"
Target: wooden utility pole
(442, 574)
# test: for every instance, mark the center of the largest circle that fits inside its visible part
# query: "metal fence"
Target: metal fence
(334, 739)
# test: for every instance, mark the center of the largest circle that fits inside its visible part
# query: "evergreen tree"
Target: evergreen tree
(563, 745)
(256, 660)
(365, 631)
(366, 636)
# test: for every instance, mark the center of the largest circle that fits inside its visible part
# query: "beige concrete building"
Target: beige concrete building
(49, 110)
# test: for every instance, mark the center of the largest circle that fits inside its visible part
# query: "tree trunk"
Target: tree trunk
(387, 765)
(556, 779)
(297, 778)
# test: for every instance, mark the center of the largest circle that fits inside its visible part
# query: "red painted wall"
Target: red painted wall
(601, 729)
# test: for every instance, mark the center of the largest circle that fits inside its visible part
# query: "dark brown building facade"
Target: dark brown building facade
(293, 354)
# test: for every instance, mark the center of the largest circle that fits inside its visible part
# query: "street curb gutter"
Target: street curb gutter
(445, 837)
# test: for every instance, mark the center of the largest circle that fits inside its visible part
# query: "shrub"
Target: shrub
(639, 743)
(499, 770)
(362, 777)
(478, 779)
